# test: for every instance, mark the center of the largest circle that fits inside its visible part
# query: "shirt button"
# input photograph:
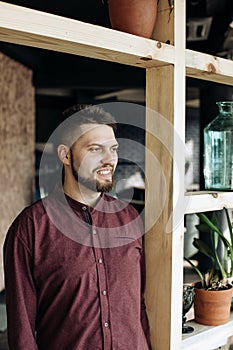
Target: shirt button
(104, 292)
(84, 208)
(106, 325)
(94, 231)
(100, 261)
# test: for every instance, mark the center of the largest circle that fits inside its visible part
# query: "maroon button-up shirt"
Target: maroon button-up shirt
(75, 277)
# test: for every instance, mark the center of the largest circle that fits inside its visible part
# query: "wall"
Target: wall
(17, 143)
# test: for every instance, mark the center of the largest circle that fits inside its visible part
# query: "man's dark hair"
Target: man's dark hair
(78, 115)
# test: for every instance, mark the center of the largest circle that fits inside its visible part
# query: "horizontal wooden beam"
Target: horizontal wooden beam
(207, 337)
(24, 26)
(202, 201)
(208, 67)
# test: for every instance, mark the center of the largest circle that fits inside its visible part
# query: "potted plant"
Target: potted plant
(213, 294)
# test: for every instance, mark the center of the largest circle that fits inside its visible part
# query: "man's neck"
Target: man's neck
(81, 194)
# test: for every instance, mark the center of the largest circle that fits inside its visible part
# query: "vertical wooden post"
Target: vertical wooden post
(164, 25)
(159, 189)
(165, 141)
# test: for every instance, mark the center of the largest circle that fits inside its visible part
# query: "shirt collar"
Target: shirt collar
(74, 204)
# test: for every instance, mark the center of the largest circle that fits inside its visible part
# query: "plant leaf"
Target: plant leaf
(203, 228)
(229, 225)
(214, 231)
(214, 228)
(231, 237)
(203, 248)
(197, 271)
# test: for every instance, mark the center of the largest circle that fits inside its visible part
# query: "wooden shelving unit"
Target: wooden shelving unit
(201, 201)
(208, 337)
(166, 67)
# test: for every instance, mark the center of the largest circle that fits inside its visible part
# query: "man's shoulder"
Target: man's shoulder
(23, 224)
(35, 207)
(30, 212)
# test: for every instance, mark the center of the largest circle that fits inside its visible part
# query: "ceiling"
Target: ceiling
(57, 73)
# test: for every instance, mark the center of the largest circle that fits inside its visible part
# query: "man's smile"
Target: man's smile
(106, 171)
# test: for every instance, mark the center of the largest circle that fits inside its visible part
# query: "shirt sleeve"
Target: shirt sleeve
(21, 298)
(144, 318)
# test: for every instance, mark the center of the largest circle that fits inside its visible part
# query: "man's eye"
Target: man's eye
(115, 149)
(95, 149)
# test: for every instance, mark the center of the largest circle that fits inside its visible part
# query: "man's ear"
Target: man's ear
(63, 154)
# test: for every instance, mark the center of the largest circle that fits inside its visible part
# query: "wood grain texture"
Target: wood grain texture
(164, 25)
(39, 29)
(17, 130)
(208, 67)
(202, 201)
(159, 189)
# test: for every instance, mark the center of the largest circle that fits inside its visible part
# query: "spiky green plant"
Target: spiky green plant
(218, 275)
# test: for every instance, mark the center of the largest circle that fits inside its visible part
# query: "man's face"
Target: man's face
(94, 157)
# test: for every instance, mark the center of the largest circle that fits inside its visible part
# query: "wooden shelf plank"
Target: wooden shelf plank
(202, 201)
(207, 67)
(34, 28)
(24, 26)
(207, 337)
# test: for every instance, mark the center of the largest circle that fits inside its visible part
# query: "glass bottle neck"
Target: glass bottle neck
(225, 107)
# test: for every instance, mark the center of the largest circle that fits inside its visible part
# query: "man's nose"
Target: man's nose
(109, 157)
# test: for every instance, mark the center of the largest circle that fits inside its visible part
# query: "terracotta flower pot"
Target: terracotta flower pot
(133, 16)
(212, 308)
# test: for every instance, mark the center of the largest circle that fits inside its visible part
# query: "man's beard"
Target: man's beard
(93, 185)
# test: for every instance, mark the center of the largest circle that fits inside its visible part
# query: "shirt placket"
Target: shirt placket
(102, 281)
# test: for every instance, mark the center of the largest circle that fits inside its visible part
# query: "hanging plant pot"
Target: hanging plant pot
(212, 307)
(133, 16)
